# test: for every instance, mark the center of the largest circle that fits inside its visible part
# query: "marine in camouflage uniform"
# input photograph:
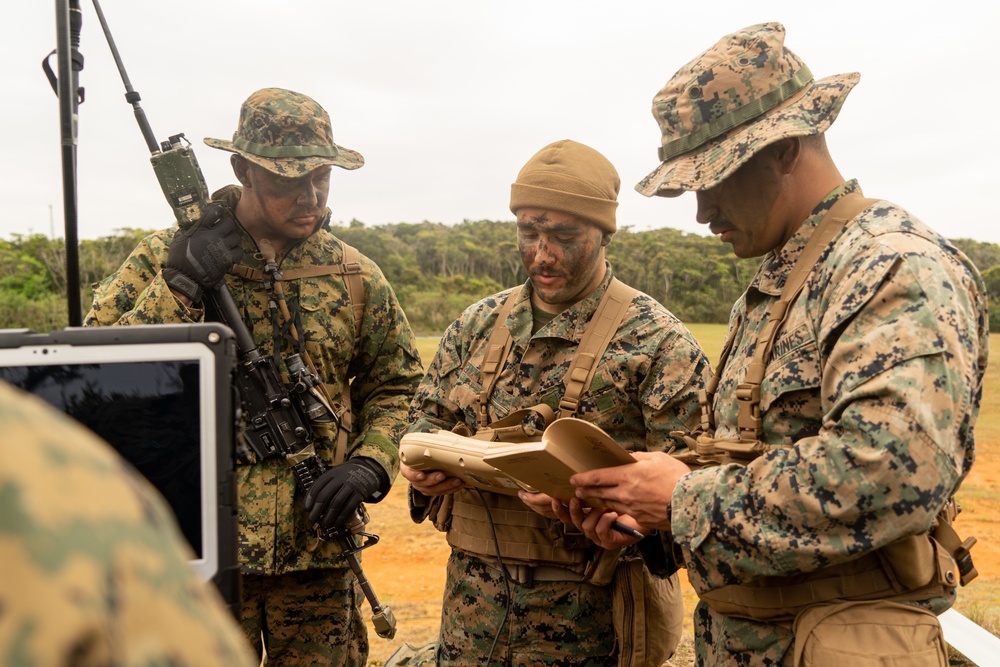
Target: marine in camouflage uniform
(95, 570)
(872, 388)
(297, 590)
(645, 387)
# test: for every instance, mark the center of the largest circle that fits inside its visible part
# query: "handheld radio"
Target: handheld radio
(173, 160)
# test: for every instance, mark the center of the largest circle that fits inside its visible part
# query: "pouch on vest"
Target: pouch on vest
(868, 634)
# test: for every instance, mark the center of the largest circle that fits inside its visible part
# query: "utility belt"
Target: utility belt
(919, 567)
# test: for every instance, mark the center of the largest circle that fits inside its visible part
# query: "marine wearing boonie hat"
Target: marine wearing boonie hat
(734, 99)
(287, 133)
(570, 177)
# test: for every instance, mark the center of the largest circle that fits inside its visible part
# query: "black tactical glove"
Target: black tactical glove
(200, 256)
(336, 495)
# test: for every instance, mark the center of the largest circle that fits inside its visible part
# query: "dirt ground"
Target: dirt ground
(406, 568)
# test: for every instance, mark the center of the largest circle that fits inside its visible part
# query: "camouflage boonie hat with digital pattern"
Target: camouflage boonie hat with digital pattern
(287, 133)
(737, 97)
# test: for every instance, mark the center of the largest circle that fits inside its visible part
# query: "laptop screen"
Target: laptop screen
(162, 396)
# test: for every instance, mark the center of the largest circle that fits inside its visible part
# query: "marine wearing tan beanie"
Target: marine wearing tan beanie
(572, 178)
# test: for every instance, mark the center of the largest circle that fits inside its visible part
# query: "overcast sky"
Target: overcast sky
(446, 99)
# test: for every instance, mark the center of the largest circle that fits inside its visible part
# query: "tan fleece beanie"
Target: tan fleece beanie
(572, 178)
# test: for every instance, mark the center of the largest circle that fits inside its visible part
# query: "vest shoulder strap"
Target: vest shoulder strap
(355, 286)
(749, 421)
(350, 268)
(497, 349)
(596, 338)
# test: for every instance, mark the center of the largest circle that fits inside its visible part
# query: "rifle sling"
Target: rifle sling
(350, 268)
(750, 422)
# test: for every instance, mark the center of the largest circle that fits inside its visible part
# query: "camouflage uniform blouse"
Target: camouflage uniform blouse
(646, 384)
(874, 385)
(383, 369)
(95, 571)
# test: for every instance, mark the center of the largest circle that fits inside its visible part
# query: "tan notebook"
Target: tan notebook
(568, 446)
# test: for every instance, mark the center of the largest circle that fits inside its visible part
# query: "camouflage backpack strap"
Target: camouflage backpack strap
(596, 338)
(749, 421)
(351, 270)
(846, 208)
(497, 349)
(707, 395)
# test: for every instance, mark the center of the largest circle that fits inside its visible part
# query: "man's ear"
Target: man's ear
(786, 153)
(241, 167)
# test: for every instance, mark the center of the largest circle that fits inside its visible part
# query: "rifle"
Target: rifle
(278, 418)
(278, 423)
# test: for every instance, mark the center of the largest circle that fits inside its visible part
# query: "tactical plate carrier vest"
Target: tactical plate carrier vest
(533, 547)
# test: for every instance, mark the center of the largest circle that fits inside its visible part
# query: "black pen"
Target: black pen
(625, 530)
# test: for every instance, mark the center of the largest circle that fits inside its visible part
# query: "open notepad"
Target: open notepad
(568, 446)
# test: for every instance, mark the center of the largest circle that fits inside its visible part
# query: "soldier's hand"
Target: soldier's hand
(430, 482)
(337, 494)
(642, 490)
(596, 523)
(542, 503)
(200, 256)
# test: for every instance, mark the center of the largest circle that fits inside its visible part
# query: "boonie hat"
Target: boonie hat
(734, 99)
(287, 133)
(570, 177)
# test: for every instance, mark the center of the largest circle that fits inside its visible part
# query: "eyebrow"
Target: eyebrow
(543, 224)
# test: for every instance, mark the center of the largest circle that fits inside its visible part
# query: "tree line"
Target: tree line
(436, 269)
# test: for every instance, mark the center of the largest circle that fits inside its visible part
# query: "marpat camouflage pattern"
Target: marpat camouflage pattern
(95, 570)
(873, 386)
(287, 133)
(383, 369)
(646, 386)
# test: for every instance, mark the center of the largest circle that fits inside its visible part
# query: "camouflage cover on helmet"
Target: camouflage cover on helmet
(94, 568)
(287, 133)
(742, 94)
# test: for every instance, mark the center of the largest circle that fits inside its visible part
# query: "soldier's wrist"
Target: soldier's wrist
(183, 287)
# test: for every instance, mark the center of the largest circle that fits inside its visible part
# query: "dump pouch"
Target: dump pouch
(868, 634)
(648, 614)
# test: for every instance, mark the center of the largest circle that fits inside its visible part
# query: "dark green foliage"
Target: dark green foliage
(437, 270)
(697, 278)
